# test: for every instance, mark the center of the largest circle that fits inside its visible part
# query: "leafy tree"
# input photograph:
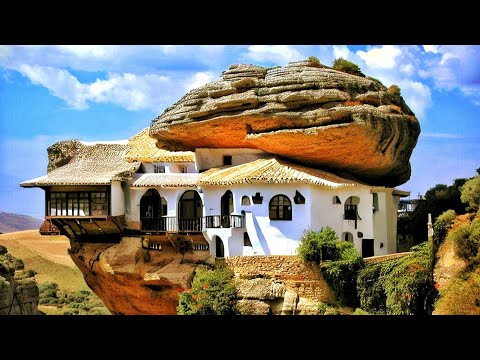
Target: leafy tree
(437, 200)
(471, 193)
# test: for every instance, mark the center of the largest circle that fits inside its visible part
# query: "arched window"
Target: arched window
(280, 208)
(336, 200)
(246, 201)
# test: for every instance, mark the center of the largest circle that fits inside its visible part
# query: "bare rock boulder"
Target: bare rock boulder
(307, 113)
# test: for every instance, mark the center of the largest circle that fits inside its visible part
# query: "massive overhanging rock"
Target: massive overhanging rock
(307, 113)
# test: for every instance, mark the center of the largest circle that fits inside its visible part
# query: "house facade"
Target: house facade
(226, 201)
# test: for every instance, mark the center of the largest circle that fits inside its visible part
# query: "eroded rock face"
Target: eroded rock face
(61, 153)
(312, 115)
(19, 293)
(134, 281)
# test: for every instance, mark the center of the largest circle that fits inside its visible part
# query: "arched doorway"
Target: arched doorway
(347, 236)
(152, 208)
(219, 249)
(190, 211)
(226, 205)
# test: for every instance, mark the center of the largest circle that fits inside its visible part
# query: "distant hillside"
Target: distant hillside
(10, 222)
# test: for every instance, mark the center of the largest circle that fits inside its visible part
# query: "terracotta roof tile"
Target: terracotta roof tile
(272, 170)
(165, 180)
(141, 147)
(92, 165)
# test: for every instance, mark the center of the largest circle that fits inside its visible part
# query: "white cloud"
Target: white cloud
(89, 51)
(342, 51)
(442, 136)
(4, 50)
(382, 57)
(199, 79)
(60, 83)
(133, 92)
(417, 96)
(408, 69)
(277, 54)
(431, 48)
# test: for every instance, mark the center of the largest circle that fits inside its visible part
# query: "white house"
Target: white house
(243, 201)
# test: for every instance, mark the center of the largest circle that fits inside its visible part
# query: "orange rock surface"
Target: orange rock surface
(309, 114)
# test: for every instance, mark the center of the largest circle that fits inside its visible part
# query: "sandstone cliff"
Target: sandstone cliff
(305, 112)
(132, 280)
(19, 293)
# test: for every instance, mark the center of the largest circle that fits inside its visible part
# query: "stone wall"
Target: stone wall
(278, 285)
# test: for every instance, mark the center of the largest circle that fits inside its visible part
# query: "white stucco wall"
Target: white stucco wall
(117, 200)
(170, 167)
(268, 237)
(208, 158)
(325, 213)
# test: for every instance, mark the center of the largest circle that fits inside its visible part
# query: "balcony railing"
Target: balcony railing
(171, 224)
(174, 224)
(224, 221)
(161, 224)
(351, 213)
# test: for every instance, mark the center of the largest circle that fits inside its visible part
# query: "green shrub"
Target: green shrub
(342, 273)
(346, 66)
(313, 61)
(322, 308)
(470, 193)
(213, 292)
(394, 89)
(441, 226)
(318, 246)
(48, 290)
(371, 289)
(359, 311)
(467, 240)
(400, 286)
(339, 261)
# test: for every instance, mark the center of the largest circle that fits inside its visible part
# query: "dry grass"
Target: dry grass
(48, 256)
(461, 296)
(459, 286)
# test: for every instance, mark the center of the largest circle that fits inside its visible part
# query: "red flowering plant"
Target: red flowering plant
(213, 292)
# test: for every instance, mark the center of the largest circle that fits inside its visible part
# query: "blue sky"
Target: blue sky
(52, 93)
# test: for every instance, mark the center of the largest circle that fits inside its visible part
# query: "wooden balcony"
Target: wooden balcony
(94, 228)
(224, 221)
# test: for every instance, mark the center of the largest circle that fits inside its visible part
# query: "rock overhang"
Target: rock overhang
(306, 113)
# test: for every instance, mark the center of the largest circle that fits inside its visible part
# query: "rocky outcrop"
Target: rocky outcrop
(278, 285)
(132, 280)
(19, 293)
(307, 113)
(61, 153)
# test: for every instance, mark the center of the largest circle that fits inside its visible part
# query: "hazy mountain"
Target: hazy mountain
(10, 222)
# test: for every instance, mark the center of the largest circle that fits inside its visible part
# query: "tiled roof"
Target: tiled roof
(165, 180)
(92, 165)
(141, 147)
(272, 170)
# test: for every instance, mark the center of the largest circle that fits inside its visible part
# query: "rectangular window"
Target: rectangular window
(183, 169)
(227, 160)
(84, 208)
(78, 203)
(375, 202)
(158, 168)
